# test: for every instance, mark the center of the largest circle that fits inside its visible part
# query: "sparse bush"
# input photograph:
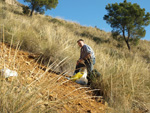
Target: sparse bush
(26, 10)
(56, 21)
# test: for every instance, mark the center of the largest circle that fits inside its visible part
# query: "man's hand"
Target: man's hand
(80, 61)
(88, 56)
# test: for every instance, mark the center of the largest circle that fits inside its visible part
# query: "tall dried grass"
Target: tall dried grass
(126, 77)
(33, 90)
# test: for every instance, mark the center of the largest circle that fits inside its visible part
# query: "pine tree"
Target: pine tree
(127, 20)
(41, 5)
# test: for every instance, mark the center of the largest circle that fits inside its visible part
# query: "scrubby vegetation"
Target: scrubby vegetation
(126, 80)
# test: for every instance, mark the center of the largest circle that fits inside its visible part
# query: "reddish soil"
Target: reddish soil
(68, 96)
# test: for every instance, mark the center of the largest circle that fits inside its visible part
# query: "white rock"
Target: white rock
(8, 73)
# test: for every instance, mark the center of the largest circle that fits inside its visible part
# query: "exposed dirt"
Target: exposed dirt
(69, 96)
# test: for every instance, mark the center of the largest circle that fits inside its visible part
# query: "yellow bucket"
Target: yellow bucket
(77, 76)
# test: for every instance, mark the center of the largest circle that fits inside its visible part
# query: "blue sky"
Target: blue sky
(90, 12)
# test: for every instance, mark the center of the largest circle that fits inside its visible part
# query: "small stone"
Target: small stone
(46, 104)
(29, 80)
(28, 63)
(51, 98)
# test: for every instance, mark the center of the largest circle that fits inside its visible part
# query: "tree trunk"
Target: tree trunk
(32, 11)
(127, 42)
(33, 5)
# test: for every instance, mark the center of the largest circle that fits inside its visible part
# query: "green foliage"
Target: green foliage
(95, 74)
(135, 41)
(127, 19)
(41, 5)
(26, 10)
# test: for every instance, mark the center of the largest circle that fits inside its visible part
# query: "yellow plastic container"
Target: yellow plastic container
(77, 76)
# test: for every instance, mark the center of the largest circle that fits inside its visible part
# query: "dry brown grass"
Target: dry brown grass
(37, 90)
(126, 80)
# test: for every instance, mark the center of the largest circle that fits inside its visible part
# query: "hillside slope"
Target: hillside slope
(56, 93)
(126, 81)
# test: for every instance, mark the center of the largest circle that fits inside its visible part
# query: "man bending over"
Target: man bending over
(87, 58)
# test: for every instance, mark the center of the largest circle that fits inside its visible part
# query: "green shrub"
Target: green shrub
(26, 10)
(54, 20)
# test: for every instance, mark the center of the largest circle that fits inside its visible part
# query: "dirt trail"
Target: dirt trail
(68, 96)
